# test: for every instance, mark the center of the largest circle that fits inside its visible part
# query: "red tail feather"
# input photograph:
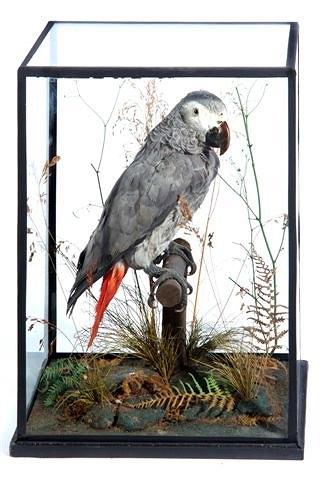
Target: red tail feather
(109, 287)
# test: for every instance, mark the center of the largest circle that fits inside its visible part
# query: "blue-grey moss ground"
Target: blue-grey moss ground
(265, 417)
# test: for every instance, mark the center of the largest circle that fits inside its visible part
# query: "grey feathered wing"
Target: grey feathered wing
(140, 201)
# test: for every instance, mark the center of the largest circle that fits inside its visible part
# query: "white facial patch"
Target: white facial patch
(207, 119)
(202, 118)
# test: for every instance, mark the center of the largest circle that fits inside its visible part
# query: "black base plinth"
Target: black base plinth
(66, 446)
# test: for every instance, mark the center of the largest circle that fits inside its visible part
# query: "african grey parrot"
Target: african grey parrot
(167, 181)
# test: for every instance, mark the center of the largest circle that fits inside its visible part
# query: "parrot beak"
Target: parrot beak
(219, 137)
(224, 137)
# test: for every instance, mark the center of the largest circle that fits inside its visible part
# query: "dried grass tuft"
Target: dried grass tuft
(242, 371)
(203, 342)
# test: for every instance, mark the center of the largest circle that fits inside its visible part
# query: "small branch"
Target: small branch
(244, 117)
(88, 105)
(281, 243)
(105, 124)
(239, 195)
(232, 290)
(248, 113)
(248, 95)
(253, 268)
(115, 103)
(102, 148)
(55, 270)
(42, 321)
(241, 288)
(99, 183)
(141, 297)
(248, 252)
(245, 290)
(213, 286)
(243, 183)
(259, 217)
(194, 318)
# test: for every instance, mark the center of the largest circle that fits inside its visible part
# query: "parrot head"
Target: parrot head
(206, 113)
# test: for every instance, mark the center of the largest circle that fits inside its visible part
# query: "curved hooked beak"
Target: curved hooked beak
(224, 137)
(219, 137)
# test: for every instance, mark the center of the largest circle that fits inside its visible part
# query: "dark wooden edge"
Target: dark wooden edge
(66, 446)
(159, 72)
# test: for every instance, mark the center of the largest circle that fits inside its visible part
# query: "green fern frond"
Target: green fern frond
(196, 384)
(212, 385)
(58, 377)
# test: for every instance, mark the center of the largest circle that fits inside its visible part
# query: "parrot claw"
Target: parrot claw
(159, 259)
(163, 274)
(185, 253)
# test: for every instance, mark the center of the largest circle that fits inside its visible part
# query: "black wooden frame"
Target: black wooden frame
(126, 445)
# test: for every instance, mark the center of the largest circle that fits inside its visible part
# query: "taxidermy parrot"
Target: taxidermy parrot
(161, 189)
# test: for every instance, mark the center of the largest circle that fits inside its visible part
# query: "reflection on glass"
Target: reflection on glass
(37, 231)
(236, 317)
(223, 45)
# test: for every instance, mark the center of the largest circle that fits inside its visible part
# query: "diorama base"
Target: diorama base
(127, 446)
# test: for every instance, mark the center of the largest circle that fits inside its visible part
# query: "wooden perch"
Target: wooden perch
(169, 294)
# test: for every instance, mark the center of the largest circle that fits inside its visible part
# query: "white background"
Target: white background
(21, 22)
(78, 202)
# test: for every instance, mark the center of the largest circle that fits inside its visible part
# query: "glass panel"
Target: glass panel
(164, 45)
(37, 144)
(238, 239)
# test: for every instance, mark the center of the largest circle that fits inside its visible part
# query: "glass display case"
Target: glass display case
(158, 242)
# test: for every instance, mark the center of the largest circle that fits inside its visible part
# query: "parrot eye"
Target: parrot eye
(195, 111)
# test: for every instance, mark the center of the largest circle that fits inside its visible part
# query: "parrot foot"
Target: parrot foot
(182, 251)
(163, 274)
(185, 253)
(159, 259)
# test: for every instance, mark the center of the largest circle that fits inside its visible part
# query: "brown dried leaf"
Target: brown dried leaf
(48, 165)
(185, 210)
